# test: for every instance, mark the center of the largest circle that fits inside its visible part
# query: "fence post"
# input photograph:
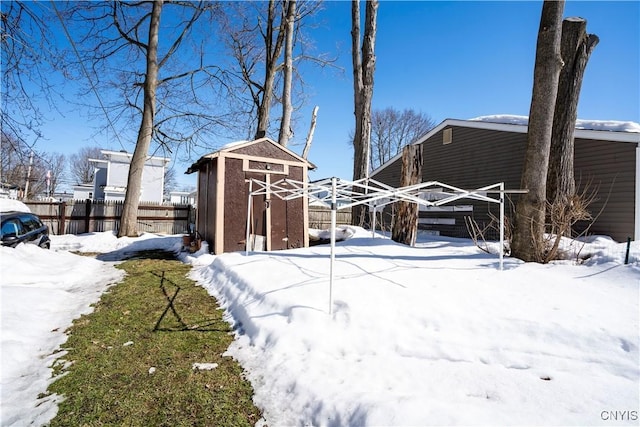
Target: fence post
(626, 258)
(62, 209)
(87, 215)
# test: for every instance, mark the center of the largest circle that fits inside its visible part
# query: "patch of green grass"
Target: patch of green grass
(135, 328)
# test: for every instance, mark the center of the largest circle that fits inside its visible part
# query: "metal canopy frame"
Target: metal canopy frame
(334, 192)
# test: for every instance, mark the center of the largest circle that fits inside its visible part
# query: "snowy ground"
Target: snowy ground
(431, 335)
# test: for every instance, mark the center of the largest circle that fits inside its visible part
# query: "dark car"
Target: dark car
(19, 227)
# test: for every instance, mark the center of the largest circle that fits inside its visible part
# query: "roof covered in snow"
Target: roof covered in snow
(601, 125)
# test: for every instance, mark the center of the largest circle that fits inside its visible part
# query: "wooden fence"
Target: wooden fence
(320, 217)
(87, 216)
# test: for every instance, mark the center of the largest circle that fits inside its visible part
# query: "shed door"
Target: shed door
(279, 221)
(258, 218)
(269, 222)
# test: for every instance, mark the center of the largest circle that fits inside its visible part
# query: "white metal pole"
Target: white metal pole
(333, 241)
(373, 222)
(248, 236)
(26, 184)
(501, 249)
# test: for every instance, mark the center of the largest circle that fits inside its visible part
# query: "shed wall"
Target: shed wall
(207, 187)
(236, 193)
(296, 214)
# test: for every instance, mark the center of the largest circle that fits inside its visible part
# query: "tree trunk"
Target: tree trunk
(287, 108)
(528, 237)
(272, 53)
(363, 69)
(357, 87)
(405, 228)
(312, 128)
(128, 221)
(576, 48)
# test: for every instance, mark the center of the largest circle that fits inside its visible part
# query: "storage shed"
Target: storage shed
(473, 153)
(223, 191)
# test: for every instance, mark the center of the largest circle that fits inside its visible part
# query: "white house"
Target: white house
(182, 197)
(83, 191)
(112, 171)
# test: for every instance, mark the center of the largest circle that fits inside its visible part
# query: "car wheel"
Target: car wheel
(45, 245)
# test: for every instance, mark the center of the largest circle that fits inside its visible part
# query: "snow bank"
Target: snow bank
(433, 335)
(8, 205)
(42, 292)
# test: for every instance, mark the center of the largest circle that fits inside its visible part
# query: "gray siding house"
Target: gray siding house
(470, 154)
(111, 174)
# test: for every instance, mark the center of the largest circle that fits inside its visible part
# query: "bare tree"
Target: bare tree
(392, 129)
(23, 167)
(312, 129)
(170, 181)
(128, 221)
(565, 206)
(287, 108)
(29, 56)
(528, 239)
(29, 59)
(273, 36)
(364, 62)
(166, 99)
(256, 36)
(14, 159)
(405, 229)
(576, 48)
(80, 168)
(108, 49)
(55, 164)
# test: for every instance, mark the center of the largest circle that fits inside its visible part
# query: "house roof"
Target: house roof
(603, 130)
(123, 155)
(83, 186)
(232, 146)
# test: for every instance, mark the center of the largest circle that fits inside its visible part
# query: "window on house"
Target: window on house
(447, 136)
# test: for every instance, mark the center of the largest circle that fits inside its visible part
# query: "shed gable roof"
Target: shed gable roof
(262, 147)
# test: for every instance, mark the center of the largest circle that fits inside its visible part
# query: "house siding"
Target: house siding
(610, 168)
(480, 157)
(153, 180)
(118, 174)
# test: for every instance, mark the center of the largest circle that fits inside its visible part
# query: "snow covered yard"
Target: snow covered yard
(432, 335)
(41, 292)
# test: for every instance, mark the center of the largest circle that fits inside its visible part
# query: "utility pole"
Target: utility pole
(26, 185)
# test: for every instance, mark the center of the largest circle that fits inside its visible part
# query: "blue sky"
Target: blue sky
(458, 59)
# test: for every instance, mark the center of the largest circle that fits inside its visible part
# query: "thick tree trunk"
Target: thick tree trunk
(128, 221)
(576, 48)
(405, 228)
(273, 48)
(357, 87)
(287, 108)
(528, 238)
(363, 69)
